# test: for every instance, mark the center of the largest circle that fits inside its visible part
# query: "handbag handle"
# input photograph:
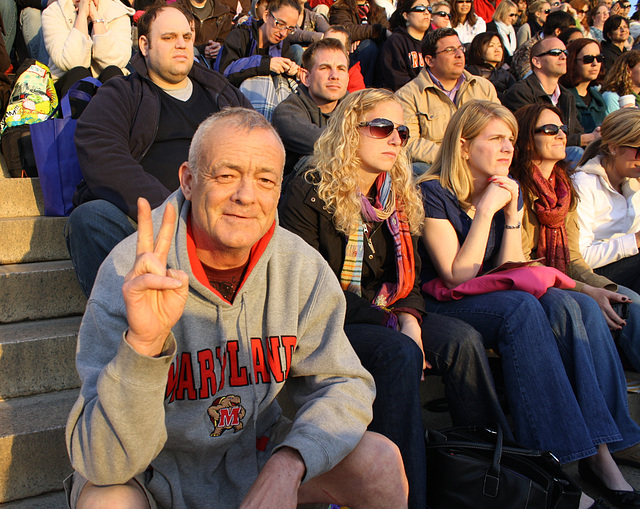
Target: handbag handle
(65, 106)
(492, 477)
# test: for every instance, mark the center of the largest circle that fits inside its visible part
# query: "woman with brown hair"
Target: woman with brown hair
(622, 79)
(485, 58)
(465, 21)
(537, 13)
(584, 70)
(595, 19)
(582, 8)
(564, 380)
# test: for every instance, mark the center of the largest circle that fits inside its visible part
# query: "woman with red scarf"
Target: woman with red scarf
(550, 230)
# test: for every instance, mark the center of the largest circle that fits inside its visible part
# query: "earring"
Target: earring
(613, 153)
(407, 23)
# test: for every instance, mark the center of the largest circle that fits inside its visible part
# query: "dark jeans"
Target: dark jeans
(625, 272)
(455, 350)
(367, 54)
(77, 73)
(92, 231)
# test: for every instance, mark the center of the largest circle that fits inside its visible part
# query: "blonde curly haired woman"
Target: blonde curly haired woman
(359, 208)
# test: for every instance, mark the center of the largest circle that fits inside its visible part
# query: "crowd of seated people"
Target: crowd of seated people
(511, 136)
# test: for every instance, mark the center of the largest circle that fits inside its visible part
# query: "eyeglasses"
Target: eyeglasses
(551, 129)
(281, 25)
(512, 15)
(381, 128)
(442, 14)
(420, 8)
(464, 2)
(546, 11)
(451, 50)
(637, 149)
(586, 11)
(588, 59)
(556, 52)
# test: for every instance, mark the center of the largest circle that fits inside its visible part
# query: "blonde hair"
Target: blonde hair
(502, 11)
(620, 128)
(337, 164)
(449, 165)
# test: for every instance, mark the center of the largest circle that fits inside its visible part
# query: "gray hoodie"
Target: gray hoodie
(196, 413)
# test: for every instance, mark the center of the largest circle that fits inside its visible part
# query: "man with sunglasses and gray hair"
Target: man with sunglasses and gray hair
(548, 63)
(431, 99)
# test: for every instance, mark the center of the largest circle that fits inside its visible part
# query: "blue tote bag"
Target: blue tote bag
(56, 156)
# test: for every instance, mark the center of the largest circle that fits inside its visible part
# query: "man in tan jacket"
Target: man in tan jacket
(440, 89)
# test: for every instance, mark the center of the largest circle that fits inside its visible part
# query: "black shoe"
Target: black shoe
(623, 499)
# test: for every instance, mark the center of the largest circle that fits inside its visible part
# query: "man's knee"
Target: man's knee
(121, 496)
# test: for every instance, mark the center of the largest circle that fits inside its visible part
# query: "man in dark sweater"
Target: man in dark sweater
(135, 133)
(302, 117)
(549, 63)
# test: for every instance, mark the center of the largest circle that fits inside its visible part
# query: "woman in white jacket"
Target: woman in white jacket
(608, 188)
(85, 38)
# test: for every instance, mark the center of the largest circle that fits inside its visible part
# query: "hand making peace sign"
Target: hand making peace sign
(154, 295)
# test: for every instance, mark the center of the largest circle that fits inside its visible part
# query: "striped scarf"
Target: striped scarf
(391, 210)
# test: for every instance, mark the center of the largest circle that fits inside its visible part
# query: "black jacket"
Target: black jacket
(500, 77)
(302, 211)
(400, 59)
(610, 52)
(299, 123)
(117, 128)
(530, 91)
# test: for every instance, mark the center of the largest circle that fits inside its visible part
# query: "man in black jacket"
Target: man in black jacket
(135, 133)
(549, 62)
(302, 117)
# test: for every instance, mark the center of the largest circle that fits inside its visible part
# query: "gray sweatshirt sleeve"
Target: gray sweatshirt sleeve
(333, 392)
(116, 427)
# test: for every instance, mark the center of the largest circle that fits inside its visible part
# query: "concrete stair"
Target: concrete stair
(40, 312)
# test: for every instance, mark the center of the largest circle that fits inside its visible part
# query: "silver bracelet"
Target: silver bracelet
(99, 21)
(512, 227)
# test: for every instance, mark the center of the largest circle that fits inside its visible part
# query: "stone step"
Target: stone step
(38, 357)
(55, 500)
(20, 197)
(37, 291)
(33, 456)
(32, 239)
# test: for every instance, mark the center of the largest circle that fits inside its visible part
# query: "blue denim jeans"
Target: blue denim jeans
(31, 26)
(629, 336)
(565, 386)
(367, 54)
(92, 231)
(9, 13)
(395, 362)
(455, 351)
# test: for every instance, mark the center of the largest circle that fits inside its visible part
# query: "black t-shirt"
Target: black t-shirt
(176, 127)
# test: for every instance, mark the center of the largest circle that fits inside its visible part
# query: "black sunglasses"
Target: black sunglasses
(547, 11)
(381, 128)
(556, 52)
(551, 129)
(637, 149)
(588, 59)
(442, 14)
(420, 8)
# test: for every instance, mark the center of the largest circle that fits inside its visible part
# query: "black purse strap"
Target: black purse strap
(492, 477)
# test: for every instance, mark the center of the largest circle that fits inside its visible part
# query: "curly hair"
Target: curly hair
(574, 74)
(618, 78)
(337, 164)
(526, 151)
(449, 165)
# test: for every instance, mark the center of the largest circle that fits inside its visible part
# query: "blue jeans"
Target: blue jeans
(565, 386)
(367, 54)
(92, 231)
(31, 25)
(629, 336)
(455, 351)
(9, 13)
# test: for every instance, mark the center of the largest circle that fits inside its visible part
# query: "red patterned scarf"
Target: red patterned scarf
(552, 207)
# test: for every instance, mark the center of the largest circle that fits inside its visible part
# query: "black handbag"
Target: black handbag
(476, 468)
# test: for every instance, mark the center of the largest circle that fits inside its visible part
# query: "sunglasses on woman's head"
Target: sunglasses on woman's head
(420, 8)
(442, 14)
(551, 129)
(381, 128)
(588, 59)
